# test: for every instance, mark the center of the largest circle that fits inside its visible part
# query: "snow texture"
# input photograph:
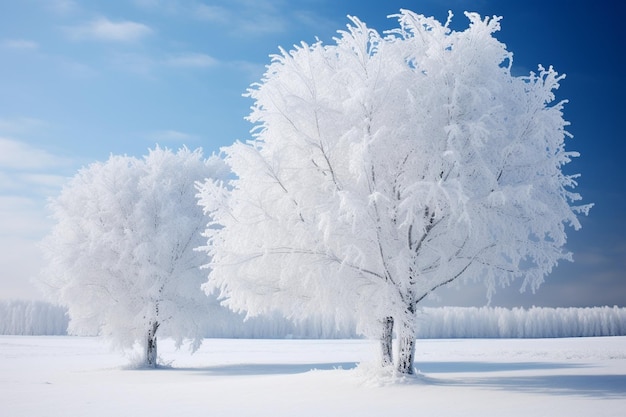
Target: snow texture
(74, 376)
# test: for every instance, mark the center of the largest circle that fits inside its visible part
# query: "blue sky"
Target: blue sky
(80, 80)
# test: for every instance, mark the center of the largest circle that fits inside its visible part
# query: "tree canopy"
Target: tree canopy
(121, 254)
(383, 167)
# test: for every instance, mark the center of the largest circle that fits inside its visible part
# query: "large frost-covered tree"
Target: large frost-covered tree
(384, 167)
(121, 254)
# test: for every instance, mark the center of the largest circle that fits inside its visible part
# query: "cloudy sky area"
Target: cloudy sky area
(80, 80)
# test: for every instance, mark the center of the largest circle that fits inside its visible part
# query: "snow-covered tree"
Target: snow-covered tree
(121, 254)
(384, 167)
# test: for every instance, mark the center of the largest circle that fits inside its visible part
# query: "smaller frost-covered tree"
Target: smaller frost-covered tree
(385, 167)
(121, 254)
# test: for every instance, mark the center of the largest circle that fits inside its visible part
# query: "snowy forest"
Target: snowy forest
(41, 318)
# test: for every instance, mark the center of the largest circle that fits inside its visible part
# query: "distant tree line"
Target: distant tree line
(535, 322)
(18, 317)
(32, 318)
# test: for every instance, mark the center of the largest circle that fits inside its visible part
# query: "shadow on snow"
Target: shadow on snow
(590, 385)
(459, 367)
(599, 386)
(249, 369)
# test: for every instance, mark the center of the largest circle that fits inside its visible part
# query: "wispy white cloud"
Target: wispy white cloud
(65, 64)
(192, 60)
(321, 24)
(149, 66)
(246, 17)
(210, 13)
(23, 222)
(252, 71)
(22, 216)
(74, 68)
(194, 9)
(263, 24)
(20, 158)
(238, 16)
(21, 261)
(19, 155)
(137, 63)
(61, 7)
(103, 29)
(165, 6)
(44, 181)
(28, 176)
(23, 44)
(171, 136)
(20, 125)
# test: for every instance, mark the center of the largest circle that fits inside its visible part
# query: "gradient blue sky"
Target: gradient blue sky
(80, 80)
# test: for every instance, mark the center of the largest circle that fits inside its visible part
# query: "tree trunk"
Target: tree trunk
(151, 345)
(386, 342)
(406, 349)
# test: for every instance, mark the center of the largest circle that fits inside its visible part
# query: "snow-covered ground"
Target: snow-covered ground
(73, 376)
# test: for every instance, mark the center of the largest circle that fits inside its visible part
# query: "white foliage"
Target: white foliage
(384, 167)
(121, 254)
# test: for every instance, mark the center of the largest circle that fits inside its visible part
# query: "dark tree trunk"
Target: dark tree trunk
(406, 350)
(406, 342)
(151, 345)
(386, 342)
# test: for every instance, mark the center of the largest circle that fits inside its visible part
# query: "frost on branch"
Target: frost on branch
(121, 254)
(383, 167)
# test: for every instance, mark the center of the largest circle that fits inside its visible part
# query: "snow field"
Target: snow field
(72, 376)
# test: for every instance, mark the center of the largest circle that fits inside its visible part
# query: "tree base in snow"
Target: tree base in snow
(372, 374)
